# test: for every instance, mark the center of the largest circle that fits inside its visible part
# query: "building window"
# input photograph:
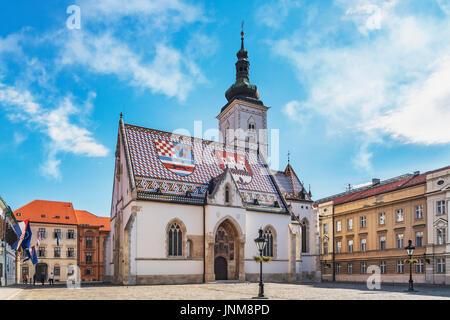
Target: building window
(325, 248)
(338, 226)
(399, 239)
(305, 236)
(42, 233)
(350, 246)
(41, 252)
(88, 272)
(441, 236)
(175, 240)
(399, 215)
(382, 242)
(381, 218)
(362, 221)
(418, 210)
(56, 233)
(363, 245)
(89, 258)
(25, 271)
(338, 247)
(227, 194)
(70, 252)
(57, 271)
(350, 268)
(419, 266)
(268, 249)
(57, 252)
(338, 268)
(349, 224)
(440, 265)
(89, 242)
(383, 266)
(325, 228)
(440, 207)
(363, 267)
(70, 234)
(419, 238)
(400, 266)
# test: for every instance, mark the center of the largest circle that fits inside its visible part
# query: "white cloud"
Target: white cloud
(295, 111)
(393, 83)
(159, 10)
(169, 73)
(274, 13)
(424, 118)
(63, 135)
(369, 15)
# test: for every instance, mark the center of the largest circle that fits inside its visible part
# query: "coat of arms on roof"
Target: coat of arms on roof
(238, 165)
(176, 156)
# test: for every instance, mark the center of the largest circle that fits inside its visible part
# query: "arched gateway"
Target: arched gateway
(227, 252)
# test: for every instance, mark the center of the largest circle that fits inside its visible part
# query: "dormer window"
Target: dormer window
(18, 214)
(43, 216)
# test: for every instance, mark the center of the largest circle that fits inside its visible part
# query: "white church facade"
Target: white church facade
(187, 210)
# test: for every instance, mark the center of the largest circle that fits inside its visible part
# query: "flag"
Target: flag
(31, 254)
(38, 239)
(57, 239)
(23, 231)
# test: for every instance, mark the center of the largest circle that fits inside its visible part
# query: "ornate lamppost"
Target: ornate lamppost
(410, 250)
(260, 244)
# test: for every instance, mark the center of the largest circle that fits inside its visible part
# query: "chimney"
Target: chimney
(375, 181)
(416, 173)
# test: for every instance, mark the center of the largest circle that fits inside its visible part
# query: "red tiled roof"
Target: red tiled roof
(61, 213)
(87, 218)
(47, 211)
(396, 185)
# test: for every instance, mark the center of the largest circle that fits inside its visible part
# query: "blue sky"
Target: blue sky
(358, 89)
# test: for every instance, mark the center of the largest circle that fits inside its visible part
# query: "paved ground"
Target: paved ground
(224, 291)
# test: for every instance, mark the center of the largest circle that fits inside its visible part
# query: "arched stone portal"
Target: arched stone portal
(225, 254)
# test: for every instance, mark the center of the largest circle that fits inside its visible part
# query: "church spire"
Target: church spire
(242, 87)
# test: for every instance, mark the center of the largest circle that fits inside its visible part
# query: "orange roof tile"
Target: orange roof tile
(47, 211)
(61, 213)
(86, 218)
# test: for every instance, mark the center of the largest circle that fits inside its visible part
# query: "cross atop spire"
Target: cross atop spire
(289, 156)
(242, 35)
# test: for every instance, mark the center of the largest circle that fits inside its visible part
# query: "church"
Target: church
(187, 210)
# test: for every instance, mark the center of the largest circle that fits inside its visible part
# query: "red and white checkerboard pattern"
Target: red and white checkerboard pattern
(145, 144)
(164, 148)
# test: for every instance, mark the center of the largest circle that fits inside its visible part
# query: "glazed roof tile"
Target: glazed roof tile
(174, 165)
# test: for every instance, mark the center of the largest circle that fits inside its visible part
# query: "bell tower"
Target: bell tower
(243, 120)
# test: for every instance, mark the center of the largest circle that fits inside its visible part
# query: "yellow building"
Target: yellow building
(370, 228)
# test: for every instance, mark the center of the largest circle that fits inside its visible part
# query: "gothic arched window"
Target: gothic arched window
(175, 237)
(305, 233)
(268, 250)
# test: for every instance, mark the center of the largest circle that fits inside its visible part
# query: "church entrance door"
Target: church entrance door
(220, 268)
(226, 252)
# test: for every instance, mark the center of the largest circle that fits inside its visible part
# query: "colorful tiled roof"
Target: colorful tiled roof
(176, 165)
(88, 219)
(290, 185)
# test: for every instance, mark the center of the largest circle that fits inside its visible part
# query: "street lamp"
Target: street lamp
(260, 244)
(410, 250)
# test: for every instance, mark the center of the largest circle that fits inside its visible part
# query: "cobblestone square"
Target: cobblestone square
(224, 291)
